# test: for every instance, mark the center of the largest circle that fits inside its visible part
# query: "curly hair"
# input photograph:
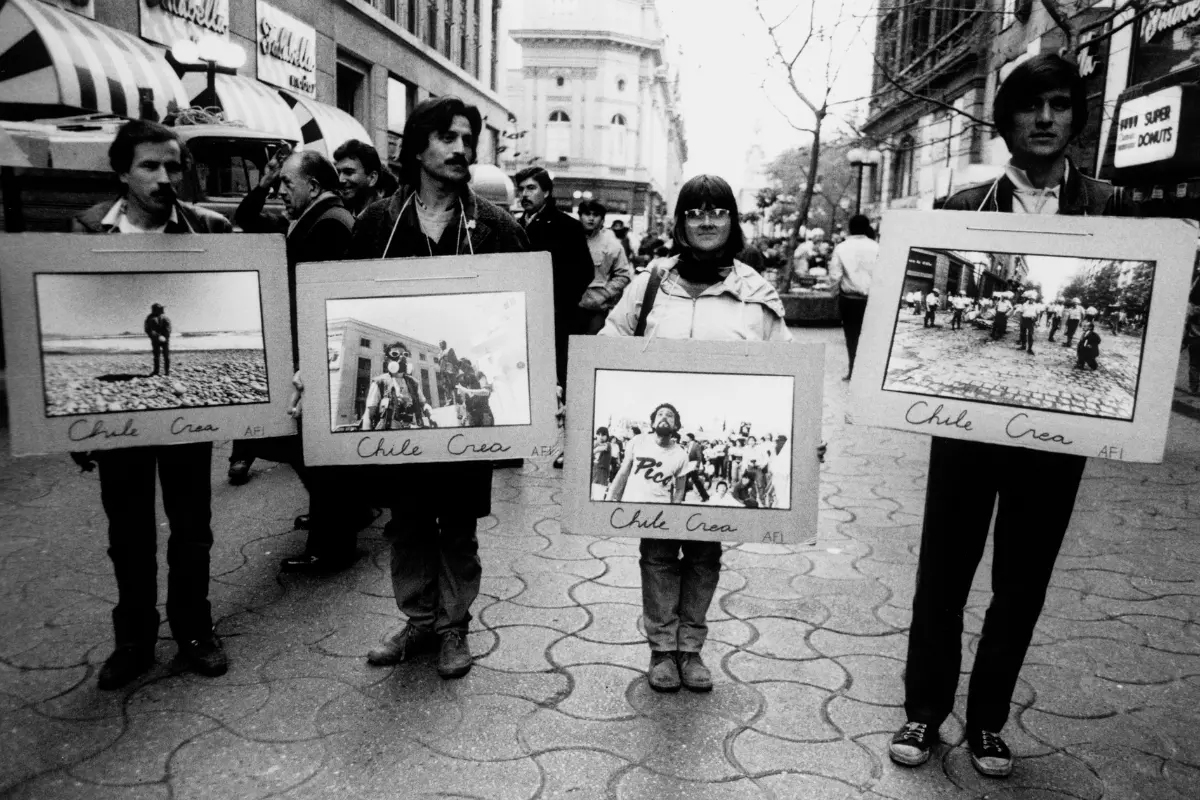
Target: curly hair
(674, 410)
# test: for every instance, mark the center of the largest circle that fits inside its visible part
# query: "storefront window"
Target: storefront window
(1167, 41)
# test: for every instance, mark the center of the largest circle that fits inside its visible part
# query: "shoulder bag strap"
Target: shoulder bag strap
(656, 278)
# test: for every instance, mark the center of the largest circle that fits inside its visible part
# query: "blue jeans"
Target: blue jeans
(676, 592)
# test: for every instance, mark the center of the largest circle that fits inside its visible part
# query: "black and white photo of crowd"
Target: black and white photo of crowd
(430, 361)
(1055, 333)
(150, 340)
(696, 439)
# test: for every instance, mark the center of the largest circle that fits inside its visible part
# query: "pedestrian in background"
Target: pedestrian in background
(158, 328)
(612, 269)
(932, 300)
(700, 292)
(850, 269)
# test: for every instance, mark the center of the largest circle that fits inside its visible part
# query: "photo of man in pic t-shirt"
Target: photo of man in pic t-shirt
(654, 466)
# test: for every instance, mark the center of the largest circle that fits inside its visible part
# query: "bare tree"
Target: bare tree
(809, 55)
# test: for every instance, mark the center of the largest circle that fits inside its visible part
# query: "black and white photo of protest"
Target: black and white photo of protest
(1055, 333)
(119, 342)
(692, 438)
(429, 361)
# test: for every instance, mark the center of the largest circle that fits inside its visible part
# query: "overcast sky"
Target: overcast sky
(93, 304)
(764, 401)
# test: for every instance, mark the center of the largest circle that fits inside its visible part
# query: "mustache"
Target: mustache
(457, 161)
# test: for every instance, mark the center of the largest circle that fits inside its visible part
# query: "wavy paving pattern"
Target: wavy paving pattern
(807, 646)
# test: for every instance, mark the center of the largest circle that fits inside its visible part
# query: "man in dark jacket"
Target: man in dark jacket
(317, 227)
(158, 328)
(562, 236)
(1039, 108)
(435, 507)
(150, 160)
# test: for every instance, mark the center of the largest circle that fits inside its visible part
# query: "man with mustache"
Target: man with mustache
(150, 161)
(655, 465)
(436, 570)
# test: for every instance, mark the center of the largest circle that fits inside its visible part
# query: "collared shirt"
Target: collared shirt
(1029, 199)
(119, 221)
(851, 264)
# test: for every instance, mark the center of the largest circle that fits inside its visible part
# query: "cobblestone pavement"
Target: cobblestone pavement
(969, 365)
(807, 646)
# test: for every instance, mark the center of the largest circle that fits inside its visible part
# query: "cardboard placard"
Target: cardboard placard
(495, 312)
(81, 345)
(972, 379)
(719, 391)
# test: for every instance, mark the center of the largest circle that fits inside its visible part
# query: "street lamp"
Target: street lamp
(211, 54)
(860, 157)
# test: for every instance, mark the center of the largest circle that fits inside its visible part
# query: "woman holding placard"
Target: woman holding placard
(699, 292)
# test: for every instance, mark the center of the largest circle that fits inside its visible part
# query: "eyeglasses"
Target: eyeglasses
(715, 214)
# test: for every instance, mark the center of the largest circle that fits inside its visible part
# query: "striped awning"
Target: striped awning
(322, 127)
(245, 100)
(50, 57)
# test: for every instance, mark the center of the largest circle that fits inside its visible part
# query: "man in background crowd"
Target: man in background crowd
(612, 270)
(361, 177)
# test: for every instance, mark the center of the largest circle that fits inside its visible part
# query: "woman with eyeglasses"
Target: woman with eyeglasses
(702, 292)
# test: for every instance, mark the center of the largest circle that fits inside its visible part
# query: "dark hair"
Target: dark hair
(592, 207)
(602, 431)
(362, 152)
(710, 190)
(659, 407)
(540, 175)
(387, 183)
(1032, 77)
(435, 115)
(860, 225)
(317, 167)
(141, 131)
(726, 484)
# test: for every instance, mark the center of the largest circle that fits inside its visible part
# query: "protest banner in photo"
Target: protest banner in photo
(1056, 333)
(688, 439)
(431, 359)
(154, 339)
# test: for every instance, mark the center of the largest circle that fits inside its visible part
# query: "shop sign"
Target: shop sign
(168, 21)
(1148, 128)
(287, 51)
(921, 263)
(1161, 20)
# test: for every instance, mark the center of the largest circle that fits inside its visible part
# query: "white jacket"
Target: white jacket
(742, 307)
(852, 263)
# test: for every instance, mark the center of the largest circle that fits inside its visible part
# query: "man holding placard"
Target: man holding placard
(150, 160)
(1038, 110)
(435, 507)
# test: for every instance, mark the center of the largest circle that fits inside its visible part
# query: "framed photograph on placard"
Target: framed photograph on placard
(686, 439)
(124, 341)
(1057, 333)
(432, 359)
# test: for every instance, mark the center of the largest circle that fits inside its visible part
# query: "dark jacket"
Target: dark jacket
(1080, 196)
(157, 325)
(191, 219)
(321, 234)
(465, 487)
(561, 235)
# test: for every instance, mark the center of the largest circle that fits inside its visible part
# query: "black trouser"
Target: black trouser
(1054, 323)
(1026, 333)
(127, 494)
(165, 349)
(1037, 494)
(930, 316)
(852, 310)
(956, 320)
(1072, 326)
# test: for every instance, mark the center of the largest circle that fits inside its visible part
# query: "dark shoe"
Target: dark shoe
(912, 744)
(558, 462)
(205, 655)
(663, 674)
(989, 754)
(693, 674)
(239, 472)
(409, 642)
(317, 565)
(454, 660)
(301, 522)
(125, 664)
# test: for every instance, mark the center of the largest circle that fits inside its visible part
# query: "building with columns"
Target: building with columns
(597, 105)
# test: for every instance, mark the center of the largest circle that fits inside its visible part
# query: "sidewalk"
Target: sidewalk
(806, 644)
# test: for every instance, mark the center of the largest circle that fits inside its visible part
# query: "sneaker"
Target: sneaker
(125, 664)
(989, 753)
(693, 674)
(402, 646)
(663, 674)
(454, 660)
(912, 744)
(205, 655)
(239, 472)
